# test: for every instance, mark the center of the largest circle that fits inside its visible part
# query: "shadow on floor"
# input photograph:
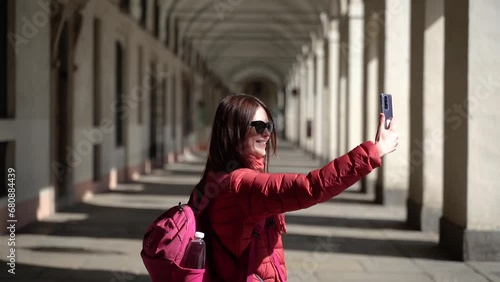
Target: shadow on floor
(185, 171)
(346, 222)
(357, 201)
(365, 246)
(163, 189)
(31, 273)
(72, 250)
(100, 222)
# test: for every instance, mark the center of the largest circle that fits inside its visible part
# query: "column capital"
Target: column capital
(344, 6)
(333, 36)
(135, 9)
(324, 19)
(305, 50)
(333, 31)
(324, 24)
(310, 60)
(313, 37)
(302, 69)
(319, 50)
(356, 9)
(299, 59)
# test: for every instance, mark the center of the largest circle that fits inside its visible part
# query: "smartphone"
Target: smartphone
(386, 108)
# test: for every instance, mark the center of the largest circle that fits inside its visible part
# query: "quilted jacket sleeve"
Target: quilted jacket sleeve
(262, 194)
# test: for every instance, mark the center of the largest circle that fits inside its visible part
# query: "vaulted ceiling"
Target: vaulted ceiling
(242, 39)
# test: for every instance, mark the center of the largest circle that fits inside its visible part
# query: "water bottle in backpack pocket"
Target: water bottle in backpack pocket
(195, 254)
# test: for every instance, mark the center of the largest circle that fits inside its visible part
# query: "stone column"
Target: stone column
(325, 92)
(343, 87)
(325, 157)
(166, 6)
(136, 9)
(394, 174)
(162, 23)
(373, 69)
(279, 117)
(415, 193)
(355, 75)
(303, 99)
(150, 6)
(310, 100)
(288, 105)
(179, 112)
(426, 148)
(333, 86)
(470, 227)
(296, 105)
(318, 123)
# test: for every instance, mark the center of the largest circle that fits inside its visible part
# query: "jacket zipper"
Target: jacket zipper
(258, 277)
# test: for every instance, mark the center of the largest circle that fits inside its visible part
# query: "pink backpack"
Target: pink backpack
(164, 244)
(166, 240)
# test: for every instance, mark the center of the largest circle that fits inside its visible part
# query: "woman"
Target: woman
(240, 205)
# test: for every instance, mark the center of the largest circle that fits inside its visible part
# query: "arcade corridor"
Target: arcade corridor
(101, 98)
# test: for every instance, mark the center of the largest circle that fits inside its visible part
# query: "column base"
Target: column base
(391, 197)
(422, 217)
(364, 186)
(469, 245)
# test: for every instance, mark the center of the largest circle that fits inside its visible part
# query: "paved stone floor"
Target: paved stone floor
(345, 239)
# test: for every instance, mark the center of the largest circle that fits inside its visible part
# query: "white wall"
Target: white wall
(32, 90)
(31, 127)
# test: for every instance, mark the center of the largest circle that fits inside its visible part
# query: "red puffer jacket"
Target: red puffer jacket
(251, 197)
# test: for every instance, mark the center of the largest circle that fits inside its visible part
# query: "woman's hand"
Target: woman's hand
(386, 140)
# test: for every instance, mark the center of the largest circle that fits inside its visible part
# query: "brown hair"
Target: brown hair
(231, 122)
(227, 151)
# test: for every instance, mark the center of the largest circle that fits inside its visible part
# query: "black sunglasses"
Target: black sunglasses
(260, 126)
